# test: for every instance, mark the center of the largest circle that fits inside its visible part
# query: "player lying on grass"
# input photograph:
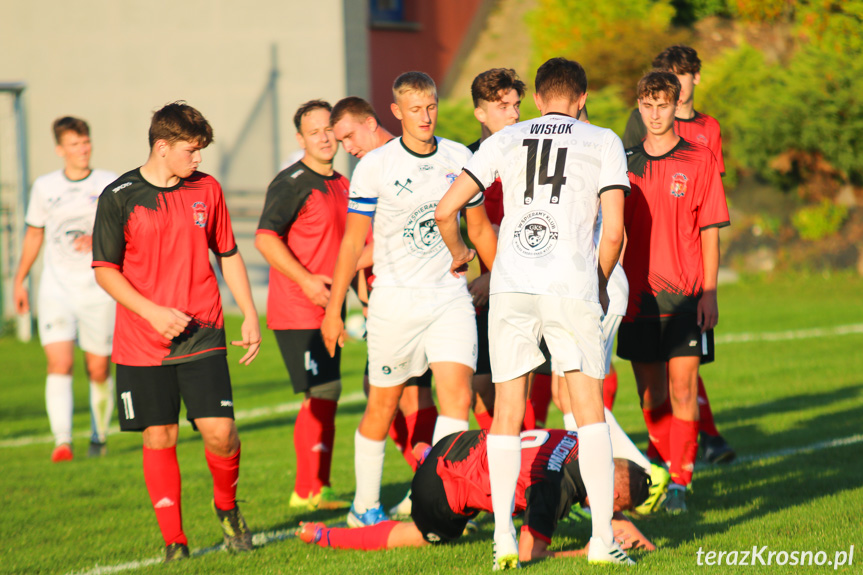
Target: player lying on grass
(452, 486)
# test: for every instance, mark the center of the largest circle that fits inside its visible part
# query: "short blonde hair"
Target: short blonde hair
(414, 82)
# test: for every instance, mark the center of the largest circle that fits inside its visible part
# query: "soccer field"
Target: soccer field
(787, 391)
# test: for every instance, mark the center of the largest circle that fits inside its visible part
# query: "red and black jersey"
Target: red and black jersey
(700, 128)
(674, 197)
(307, 211)
(159, 239)
(549, 482)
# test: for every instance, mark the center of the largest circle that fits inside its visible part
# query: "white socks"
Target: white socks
(621, 445)
(504, 464)
(369, 468)
(101, 408)
(597, 474)
(448, 425)
(59, 404)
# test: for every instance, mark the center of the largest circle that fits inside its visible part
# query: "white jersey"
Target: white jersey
(66, 210)
(400, 190)
(553, 170)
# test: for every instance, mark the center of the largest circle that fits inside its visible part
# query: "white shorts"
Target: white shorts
(86, 316)
(572, 329)
(610, 325)
(410, 328)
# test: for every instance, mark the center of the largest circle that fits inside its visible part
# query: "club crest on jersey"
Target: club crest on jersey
(678, 185)
(421, 235)
(199, 211)
(450, 178)
(536, 234)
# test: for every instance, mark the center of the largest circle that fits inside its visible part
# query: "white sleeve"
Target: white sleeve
(482, 167)
(363, 198)
(613, 169)
(37, 214)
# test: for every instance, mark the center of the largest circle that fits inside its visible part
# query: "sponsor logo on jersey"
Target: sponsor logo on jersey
(403, 186)
(450, 177)
(68, 233)
(701, 139)
(551, 129)
(678, 185)
(536, 234)
(121, 186)
(425, 167)
(199, 210)
(421, 235)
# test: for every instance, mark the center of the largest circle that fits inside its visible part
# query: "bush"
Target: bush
(819, 221)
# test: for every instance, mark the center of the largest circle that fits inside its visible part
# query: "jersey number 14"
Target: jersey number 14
(557, 180)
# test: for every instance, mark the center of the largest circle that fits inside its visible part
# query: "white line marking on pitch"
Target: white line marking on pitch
(358, 397)
(258, 539)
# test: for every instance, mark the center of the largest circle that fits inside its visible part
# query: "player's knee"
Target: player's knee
(329, 391)
(223, 440)
(98, 369)
(682, 392)
(60, 365)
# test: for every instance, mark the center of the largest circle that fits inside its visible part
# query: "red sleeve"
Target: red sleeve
(716, 146)
(221, 233)
(712, 208)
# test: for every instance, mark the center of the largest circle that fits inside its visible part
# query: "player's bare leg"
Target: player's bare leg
(59, 401)
(101, 400)
(369, 445)
(453, 393)
(504, 463)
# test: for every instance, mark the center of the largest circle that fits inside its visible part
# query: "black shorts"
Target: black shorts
(307, 359)
(483, 360)
(150, 395)
(653, 341)
(424, 380)
(429, 509)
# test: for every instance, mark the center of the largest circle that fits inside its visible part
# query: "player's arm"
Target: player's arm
(446, 216)
(234, 271)
(530, 548)
(356, 230)
(482, 234)
(279, 256)
(167, 321)
(611, 243)
(708, 307)
(33, 239)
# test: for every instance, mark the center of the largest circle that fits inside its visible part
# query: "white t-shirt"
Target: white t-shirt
(66, 210)
(401, 190)
(553, 170)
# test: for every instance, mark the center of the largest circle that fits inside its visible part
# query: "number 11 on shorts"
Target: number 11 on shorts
(126, 396)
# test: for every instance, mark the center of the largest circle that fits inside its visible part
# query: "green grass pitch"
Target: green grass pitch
(794, 391)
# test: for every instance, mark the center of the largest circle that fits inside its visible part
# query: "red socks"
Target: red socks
(658, 421)
(421, 425)
(369, 538)
(226, 474)
(706, 423)
(483, 419)
(609, 390)
(684, 447)
(162, 477)
(399, 434)
(540, 397)
(314, 433)
(529, 421)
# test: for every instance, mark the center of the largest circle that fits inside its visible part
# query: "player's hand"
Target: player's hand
(83, 243)
(459, 263)
(251, 341)
(478, 289)
(333, 333)
(168, 322)
(21, 297)
(604, 300)
(629, 537)
(316, 288)
(708, 311)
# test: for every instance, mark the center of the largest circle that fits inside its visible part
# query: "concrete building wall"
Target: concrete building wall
(114, 62)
